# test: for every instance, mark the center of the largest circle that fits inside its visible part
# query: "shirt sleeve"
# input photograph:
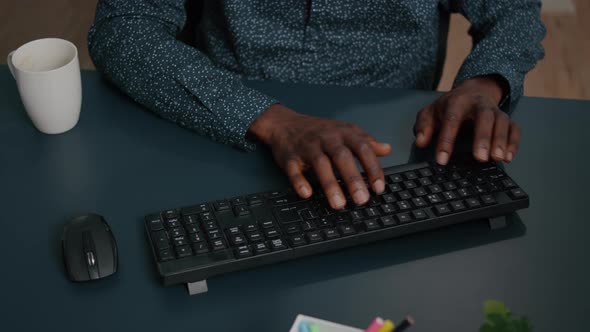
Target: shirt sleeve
(507, 36)
(133, 43)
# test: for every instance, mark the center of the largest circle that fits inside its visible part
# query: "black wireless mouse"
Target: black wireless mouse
(89, 248)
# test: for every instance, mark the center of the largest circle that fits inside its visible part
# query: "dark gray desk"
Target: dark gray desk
(123, 162)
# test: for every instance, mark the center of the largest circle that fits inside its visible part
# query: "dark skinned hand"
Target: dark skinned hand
(495, 135)
(300, 142)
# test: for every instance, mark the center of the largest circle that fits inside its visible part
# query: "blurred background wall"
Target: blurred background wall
(564, 73)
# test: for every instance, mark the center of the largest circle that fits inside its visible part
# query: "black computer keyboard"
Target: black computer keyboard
(196, 242)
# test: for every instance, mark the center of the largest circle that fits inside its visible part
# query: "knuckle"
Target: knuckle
(354, 180)
(446, 141)
(340, 152)
(363, 146)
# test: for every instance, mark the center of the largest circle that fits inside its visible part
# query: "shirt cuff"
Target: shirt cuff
(512, 79)
(231, 102)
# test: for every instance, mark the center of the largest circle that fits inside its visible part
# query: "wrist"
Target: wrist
(490, 85)
(266, 123)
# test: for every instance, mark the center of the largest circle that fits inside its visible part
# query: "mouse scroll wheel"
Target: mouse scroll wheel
(90, 258)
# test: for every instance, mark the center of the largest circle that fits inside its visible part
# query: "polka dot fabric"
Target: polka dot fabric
(378, 43)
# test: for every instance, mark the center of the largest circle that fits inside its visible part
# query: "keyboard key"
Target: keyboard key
(419, 215)
(372, 212)
(449, 195)
(308, 214)
(183, 251)
(403, 205)
(404, 217)
(196, 237)
(455, 176)
(267, 224)
(424, 181)
(356, 215)
(287, 199)
(250, 227)
(254, 236)
(387, 221)
(169, 214)
(190, 219)
(439, 169)
(278, 244)
(434, 199)
(481, 189)
(207, 216)
(442, 209)
(233, 230)
(238, 201)
(419, 202)
(297, 240)
(237, 239)
(192, 229)
(508, 183)
(292, 229)
(323, 222)
(371, 225)
(439, 178)
(179, 241)
(409, 184)
(388, 198)
(394, 187)
(450, 185)
(435, 189)
(373, 201)
(395, 178)
(463, 183)
(270, 233)
(388, 208)
(243, 252)
(195, 209)
(165, 255)
(346, 230)
(200, 248)
(473, 203)
(517, 193)
(160, 239)
(457, 206)
(488, 200)
(155, 224)
(425, 172)
(404, 195)
(255, 200)
(330, 233)
(314, 237)
(341, 218)
(214, 234)
(420, 192)
(210, 225)
(172, 223)
(288, 214)
(241, 210)
(221, 205)
(261, 248)
(217, 245)
(175, 232)
(308, 225)
(464, 192)
(410, 175)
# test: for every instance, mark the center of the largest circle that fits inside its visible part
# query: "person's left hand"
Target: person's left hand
(495, 135)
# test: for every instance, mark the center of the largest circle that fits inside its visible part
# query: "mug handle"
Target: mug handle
(10, 65)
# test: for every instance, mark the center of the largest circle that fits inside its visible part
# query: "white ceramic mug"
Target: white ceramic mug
(47, 74)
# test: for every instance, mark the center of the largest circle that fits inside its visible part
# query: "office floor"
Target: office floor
(564, 73)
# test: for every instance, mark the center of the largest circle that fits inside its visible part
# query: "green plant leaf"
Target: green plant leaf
(495, 307)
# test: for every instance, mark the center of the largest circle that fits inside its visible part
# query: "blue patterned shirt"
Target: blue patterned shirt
(197, 82)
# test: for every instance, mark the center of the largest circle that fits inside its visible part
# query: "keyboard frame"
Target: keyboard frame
(201, 267)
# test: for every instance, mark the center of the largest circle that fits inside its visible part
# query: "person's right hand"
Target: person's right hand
(299, 142)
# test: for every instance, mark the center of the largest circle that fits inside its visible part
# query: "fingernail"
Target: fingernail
(338, 200)
(509, 156)
(498, 152)
(304, 191)
(482, 154)
(443, 157)
(420, 136)
(379, 185)
(360, 196)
